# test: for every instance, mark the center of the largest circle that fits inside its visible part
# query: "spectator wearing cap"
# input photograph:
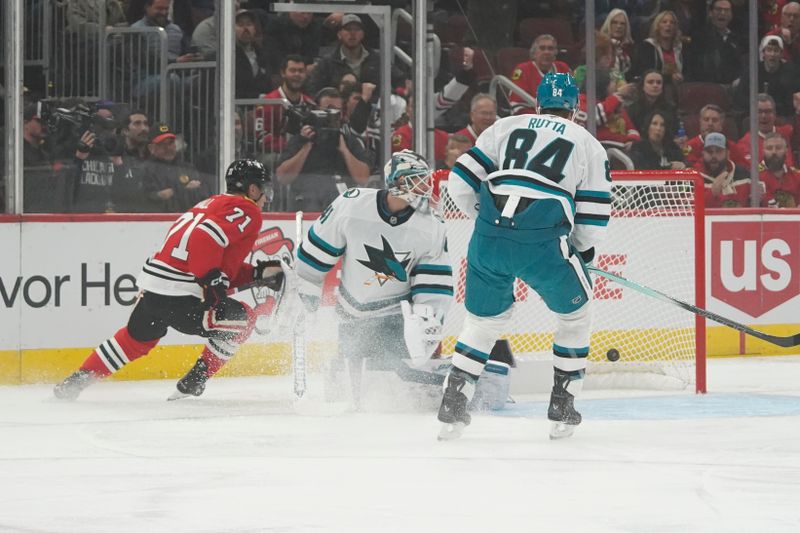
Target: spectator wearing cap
(253, 76)
(712, 119)
(767, 124)
(726, 184)
(714, 54)
(350, 56)
(128, 188)
(482, 114)
(528, 75)
(776, 77)
(781, 180)
(295, 33)
(789, 31)
(168, 185)
(319, 164)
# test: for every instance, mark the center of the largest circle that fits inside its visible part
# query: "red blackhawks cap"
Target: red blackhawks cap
(162, 132)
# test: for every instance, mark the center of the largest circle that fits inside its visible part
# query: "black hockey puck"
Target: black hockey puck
(612, 355)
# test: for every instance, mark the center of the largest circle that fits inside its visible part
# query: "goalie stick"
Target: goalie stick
(299, 331)
(786, 342)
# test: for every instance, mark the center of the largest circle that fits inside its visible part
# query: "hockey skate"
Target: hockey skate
(453, 412)
(73, 385)
(564, 418)
(193, 383)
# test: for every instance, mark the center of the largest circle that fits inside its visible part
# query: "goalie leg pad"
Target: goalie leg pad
(491, 391)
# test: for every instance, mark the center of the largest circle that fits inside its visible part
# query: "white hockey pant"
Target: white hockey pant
(476, 340)
(571, 346)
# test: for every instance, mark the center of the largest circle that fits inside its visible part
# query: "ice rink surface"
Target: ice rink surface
(239, 459)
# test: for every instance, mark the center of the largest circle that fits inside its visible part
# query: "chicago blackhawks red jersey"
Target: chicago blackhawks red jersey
(218, 232)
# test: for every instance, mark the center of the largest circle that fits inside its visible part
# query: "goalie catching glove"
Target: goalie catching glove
(422, 330)
(270, 274)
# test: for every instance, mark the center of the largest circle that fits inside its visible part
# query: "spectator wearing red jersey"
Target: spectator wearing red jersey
(528, 75)
(712, 120)
(770, 14)
(726, 184)
(457, 144)
(403, 137)
(766, 124)
(270, 118)
(614, 126)
(482, 114)
(789, 31)
(782, 181)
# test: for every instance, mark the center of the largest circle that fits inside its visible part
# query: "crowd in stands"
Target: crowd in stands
(671, 80)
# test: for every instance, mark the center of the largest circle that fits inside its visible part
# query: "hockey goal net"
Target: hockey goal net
(655, 238)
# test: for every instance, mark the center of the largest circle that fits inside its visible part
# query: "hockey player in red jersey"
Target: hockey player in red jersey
(184, 286)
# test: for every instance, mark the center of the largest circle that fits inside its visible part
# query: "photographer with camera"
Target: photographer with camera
(97, 157)
(325, 159)
(271, 123)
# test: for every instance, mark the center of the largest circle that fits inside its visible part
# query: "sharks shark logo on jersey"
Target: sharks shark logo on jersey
(386, 263)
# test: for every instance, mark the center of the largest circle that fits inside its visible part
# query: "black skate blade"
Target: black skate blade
(451, 431)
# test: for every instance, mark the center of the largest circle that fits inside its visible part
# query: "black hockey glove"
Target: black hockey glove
(215, 286)
(587, 255)
(269, 274)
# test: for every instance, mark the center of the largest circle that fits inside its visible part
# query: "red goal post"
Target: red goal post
(655, 238)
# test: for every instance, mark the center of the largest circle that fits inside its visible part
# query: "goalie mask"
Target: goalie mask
(408, 177)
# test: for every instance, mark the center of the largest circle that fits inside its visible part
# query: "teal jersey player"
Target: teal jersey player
(538, 187)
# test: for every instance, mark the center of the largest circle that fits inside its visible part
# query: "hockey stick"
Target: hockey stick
(299, 332)
(786, 342)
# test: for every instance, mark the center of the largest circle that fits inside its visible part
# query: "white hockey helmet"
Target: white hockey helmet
(408, 177)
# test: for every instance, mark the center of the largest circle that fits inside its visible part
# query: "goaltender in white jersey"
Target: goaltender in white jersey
(396, 277)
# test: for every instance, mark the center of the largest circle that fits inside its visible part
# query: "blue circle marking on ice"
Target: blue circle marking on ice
(669, 407)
